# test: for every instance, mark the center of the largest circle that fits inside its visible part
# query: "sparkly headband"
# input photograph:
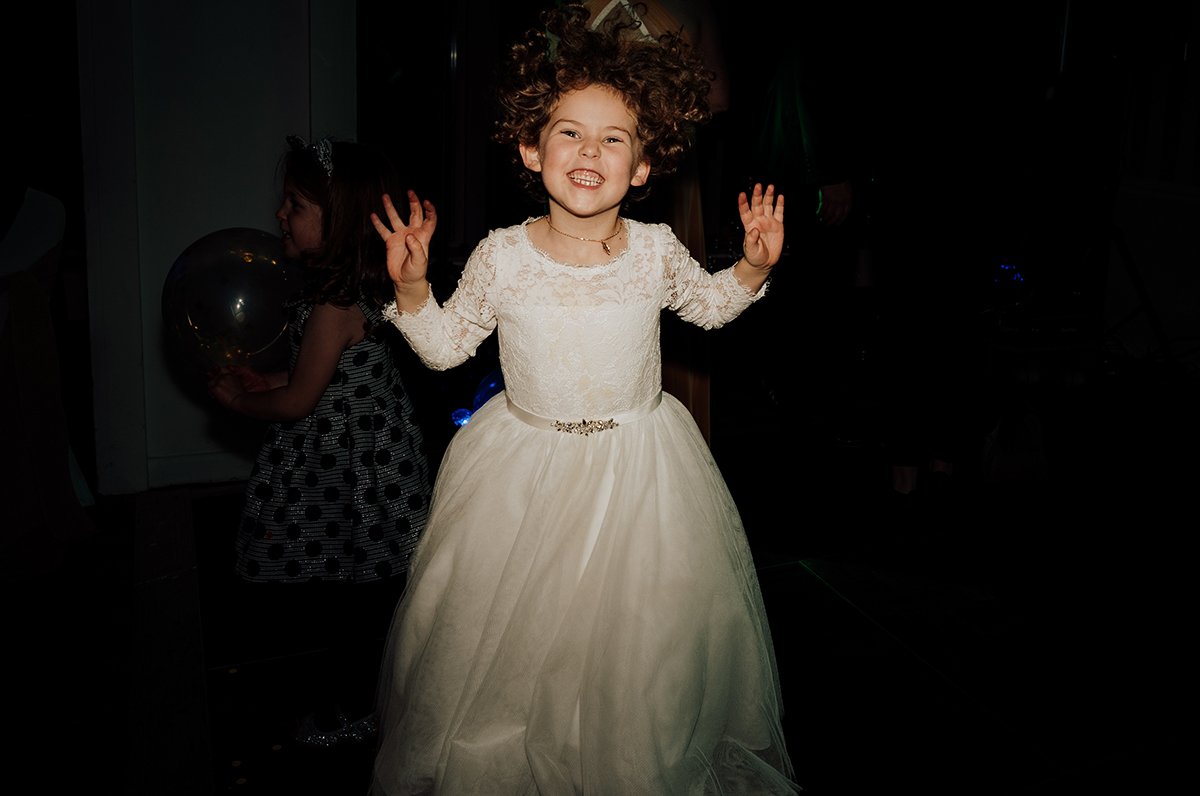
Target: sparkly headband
(322, 150)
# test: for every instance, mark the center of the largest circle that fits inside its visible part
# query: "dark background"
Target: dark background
(1003, 133)
(1026, 181)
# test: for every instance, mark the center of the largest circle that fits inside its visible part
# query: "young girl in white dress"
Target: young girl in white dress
(583, 614)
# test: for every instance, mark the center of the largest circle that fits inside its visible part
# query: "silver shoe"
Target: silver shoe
(346, 732)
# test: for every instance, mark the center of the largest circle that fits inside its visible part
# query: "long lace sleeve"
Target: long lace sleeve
(708, 300)
(445, 336)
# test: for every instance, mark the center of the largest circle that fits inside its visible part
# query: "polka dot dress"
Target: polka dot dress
(343, 494)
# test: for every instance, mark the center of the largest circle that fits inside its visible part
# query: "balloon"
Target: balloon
(224, 299)
(489, 385)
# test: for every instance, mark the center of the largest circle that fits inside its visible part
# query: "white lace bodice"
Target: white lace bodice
(575, 341)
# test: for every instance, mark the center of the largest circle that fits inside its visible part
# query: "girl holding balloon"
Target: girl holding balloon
(340, 490)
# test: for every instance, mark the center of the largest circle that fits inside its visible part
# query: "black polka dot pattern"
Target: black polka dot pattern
(342, 495)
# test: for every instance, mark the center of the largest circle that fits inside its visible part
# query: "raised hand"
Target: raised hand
(407, 243)
(762, 218)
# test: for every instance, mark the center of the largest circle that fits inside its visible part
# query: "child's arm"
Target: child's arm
(330, 330)
(712, 300)
(445, 334)
(408, 249)
(762, 218)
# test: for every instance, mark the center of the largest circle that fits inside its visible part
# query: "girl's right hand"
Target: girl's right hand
(225, 386)
(407, 244)
(251, 379)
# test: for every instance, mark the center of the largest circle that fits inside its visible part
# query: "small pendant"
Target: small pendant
(606, 249)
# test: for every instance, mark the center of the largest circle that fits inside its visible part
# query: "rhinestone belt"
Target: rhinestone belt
(585, 426)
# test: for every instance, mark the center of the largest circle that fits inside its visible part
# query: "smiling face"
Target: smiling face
(588, 153)
(300, 222)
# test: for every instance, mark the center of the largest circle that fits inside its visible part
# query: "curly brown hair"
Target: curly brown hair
(663, 81)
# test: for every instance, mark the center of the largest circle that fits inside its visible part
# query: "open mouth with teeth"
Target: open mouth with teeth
(589, 179)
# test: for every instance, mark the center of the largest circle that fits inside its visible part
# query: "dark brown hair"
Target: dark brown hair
(348, 185)
(663, 81)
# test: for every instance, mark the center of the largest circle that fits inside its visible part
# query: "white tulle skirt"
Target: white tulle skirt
(582, 616)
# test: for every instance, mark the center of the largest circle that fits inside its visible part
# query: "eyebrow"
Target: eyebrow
(576, 123)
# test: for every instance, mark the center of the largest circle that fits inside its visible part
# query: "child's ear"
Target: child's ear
(530, 157)
(640, 174)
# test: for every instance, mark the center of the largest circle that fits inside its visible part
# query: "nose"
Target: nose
(589, 148)
(279, 214)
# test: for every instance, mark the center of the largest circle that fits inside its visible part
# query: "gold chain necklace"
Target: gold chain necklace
(602, 241)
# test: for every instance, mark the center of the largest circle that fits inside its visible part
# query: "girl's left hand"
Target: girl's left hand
(762, 218)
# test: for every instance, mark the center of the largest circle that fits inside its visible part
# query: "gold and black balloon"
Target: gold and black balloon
(224, 300)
